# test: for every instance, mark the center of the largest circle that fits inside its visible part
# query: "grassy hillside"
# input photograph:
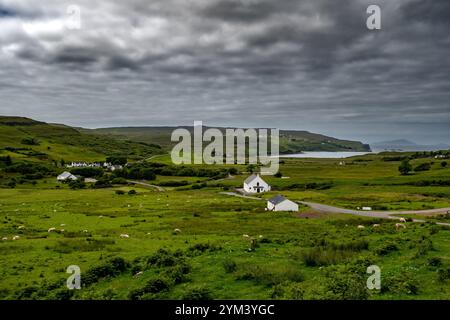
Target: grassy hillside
(191, 239)
(290, 141)
(23, 138)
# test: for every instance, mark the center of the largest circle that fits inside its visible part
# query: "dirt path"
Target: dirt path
(147, 185)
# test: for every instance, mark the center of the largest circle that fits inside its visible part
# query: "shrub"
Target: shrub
(198, 293)
(346, 283)
(178, 273)
(288, 290)
(88, 172)
(434, 262)
(386, 249)
(157, 285)
(443, 274)
(120, 192)
(165, 258)
(110, 268)
(444, 164)
(230, 266)
(132, 192)
(119, 181)
(77, 184)
(403, 283)
(278, 174)
(323, 257)
(200, 248)
(423, 167)
(405, 167)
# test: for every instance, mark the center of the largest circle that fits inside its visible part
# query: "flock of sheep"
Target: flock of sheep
(397, 225)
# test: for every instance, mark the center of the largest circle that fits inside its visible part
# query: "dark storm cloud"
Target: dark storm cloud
(309, 65)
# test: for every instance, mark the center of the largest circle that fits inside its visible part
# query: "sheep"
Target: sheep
(124, 235)
(376, 225)
(246, 236)
(62, 225)
(5, 238)
(16, 238)
(62, 230)
(400, 225)
(85, 231)
(51, 230)
(140, 273)
(360, 227)
(21, 227)
(402, 220)
(177, 230)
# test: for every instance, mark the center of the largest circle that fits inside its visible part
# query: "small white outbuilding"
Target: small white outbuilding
(255, 184)
(66, 176)
(280, 203)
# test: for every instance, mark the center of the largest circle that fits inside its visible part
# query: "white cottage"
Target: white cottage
(255, 184)
(66, 176)
(280, 203)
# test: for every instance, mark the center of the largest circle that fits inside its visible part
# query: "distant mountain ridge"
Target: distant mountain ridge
(137, 141)
(406, 145)
(291, 141)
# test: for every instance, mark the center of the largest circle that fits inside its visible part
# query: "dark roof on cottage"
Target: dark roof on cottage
(251, 178)
(277, 199)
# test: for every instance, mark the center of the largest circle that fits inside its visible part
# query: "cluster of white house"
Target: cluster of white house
(255, 184)
(67, 176)
(106, 165)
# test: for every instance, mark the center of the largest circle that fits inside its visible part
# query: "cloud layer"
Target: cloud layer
(309, 65)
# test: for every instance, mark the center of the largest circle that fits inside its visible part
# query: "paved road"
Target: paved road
(375, 214)
(147, 185)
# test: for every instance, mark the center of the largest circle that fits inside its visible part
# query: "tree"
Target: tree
(423, 167)
(444, 164)
(8, 160)
(405, 167)
(63, 163)
(117, 160)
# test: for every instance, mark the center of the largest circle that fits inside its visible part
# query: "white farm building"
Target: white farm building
(280, 203)
(66, 176)
(255, 184)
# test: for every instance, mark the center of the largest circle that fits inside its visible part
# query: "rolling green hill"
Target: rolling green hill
(290, 141)
(33, 140)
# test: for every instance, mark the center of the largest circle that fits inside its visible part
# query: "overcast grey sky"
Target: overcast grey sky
(310, 65)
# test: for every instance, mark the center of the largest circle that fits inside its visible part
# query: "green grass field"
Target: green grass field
(303, 255)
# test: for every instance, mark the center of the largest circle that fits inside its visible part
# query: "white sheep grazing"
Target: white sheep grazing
(21, 227)
(124, 235)
(400, 225)
(85, 231)
(51, 230)
(177, 230)
(16, 238)
(376, 225)
(5, 238)
(246, 236)
(140, 273)
(360, 227)
(62, 230)
(402, 220)
(62, 225)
